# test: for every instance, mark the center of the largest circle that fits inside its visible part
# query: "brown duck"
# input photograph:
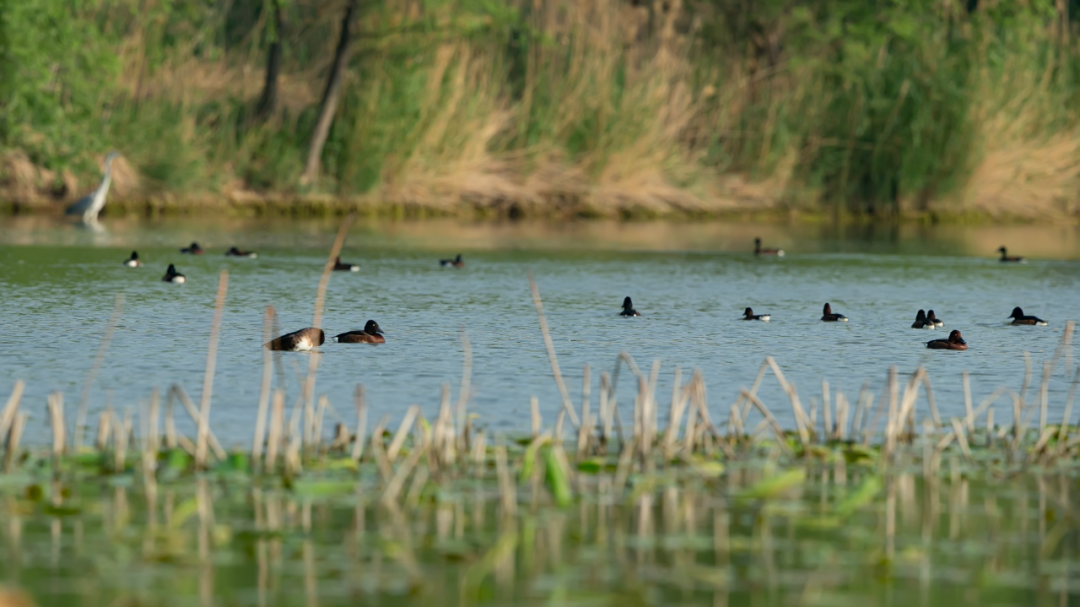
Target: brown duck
(298, 341)
(371, 334)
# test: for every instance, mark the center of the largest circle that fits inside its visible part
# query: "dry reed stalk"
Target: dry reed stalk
(605, 414)
(801, 420)
(149, 423)
(208, 377)
(197, 417)
(320, 299)
(445, 435)
(841, 416)
(813, 418)
(770, 418)
(908, 402)
(735, 427)
(754, 388)
(679, 397)
(534, 408)
(402, 432)
(99, 359)
(1017, 423)
(1067, 413)
(585, 432)
(170, 421)
(1027, 378)
(56, 417)
(930, 401)
(891, 420)
(479, 453)
(264, 389)
(622, 469)
(860, 405)
(969, 420)
(378, 451)
(567, 406)
(649, 409)
(7, 417)
(416, 487)
(317, 432)
(273, 439)
(104, 429)
(506, 484)
(402, 473)
(1043, 397)
(17, 428)
(559, 427)
(121, 431)
(961, 437)
(826, 413)
(1044, 438)
(990, 428)
(293, 463)
(361, 424)
(463, 392)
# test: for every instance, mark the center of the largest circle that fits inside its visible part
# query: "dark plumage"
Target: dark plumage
(194, 249)
(628, 308)
(1006, 259)
(345, 267)
(953, 342)
(171, 275)
(452, 263)
(298, 341)
(1019, 318)
(235, 252)
(759, 251)
(828, 316)
(133, 261)
(921, 321)
(748, 314)
(934, 319)
(371, 334)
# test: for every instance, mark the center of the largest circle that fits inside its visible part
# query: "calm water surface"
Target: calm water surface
(690, 281)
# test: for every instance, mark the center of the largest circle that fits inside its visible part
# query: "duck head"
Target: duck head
(372, 328)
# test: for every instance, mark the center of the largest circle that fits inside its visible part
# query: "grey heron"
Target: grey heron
(90, 205)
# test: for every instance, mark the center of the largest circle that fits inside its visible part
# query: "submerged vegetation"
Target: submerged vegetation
(597, 107)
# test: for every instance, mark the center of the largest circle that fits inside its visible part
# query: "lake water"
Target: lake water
(690, 281)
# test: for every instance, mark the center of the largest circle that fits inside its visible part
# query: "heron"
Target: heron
(90, 205)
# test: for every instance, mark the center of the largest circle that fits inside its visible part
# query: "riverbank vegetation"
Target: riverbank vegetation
(592, 108)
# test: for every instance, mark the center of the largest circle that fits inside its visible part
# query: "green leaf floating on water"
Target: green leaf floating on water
(178, 460)
(774, 485)
(557, 479)
(323, 487)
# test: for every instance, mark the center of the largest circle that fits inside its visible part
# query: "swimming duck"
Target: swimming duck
(171, 275)
(344, 267)
(452, 263)
(1006, 259)
(922, 322)
(628, 308)
(1020, 319)
(235, 252)
(934, 319)
(828, 316)
(371, 334)
(954, 342)
(194, 249)
(760, 251)
(298, 341)
(748, 314)
(133, 261)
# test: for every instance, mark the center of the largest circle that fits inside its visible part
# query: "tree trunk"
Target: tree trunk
(330, 97)
(268, 102)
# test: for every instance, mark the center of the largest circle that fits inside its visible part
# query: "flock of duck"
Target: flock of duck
(311, 337)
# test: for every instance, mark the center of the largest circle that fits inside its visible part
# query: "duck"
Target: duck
(748, 314)
(1006, 259)
(828, 316)
(954, 342)
(303, 340)
(371, 334)
(922, 321)
(133, 261)
(171, 275)
(760, 251)
(235, 252)
(194, 249)
(452, 263)
(934, 319)
(1019, 318)
(628, 308)
(344, 267)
